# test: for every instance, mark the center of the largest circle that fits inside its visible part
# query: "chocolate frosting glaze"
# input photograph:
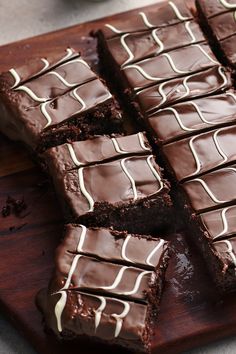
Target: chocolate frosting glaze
(201, 153)
(131, 47)
(228, 47)
(220, 223)
(210, 81)
(127, 180)
(158, 16)
(102, 148)
(214, 7)
(188, 118)
(226, 250)
(166, 66)
(212, 190)
(224, 25)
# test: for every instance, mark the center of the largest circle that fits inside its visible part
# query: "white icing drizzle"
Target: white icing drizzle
(46, 65)
(117, 279)
(145, 20)
(143, 72)
(155, 173)
(172, 64)
(66, 83)
(112, 28)
(126, 48)
(45, 113)
(177, 12)
(177, 116)
(82, 238)
(148, 260)
(78, 98)
(137, 283)
(227, 5)
(206, 54)
(72, 155)
(31, 93)
(15, 76)
(117, 147)
(207, 189)
(60, 305)
(123, 249)
(190, 32)
(198, 163)
(158, 41)
(98, 312)
(221, 152)
(231, 94)
(224, 222)
(141, 141)
(84, 190)
(132, 181)
(229, 250)
(200, 113)
(119, 318)
(224, 77)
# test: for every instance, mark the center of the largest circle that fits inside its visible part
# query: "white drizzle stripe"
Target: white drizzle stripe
(60, 305)
(198, 163)
(177, 116)
(98, 312)
(117, 147)
(141, 141)
(112, 28)
(143, 72)
(78, 98)
(158, 41)
(84, 190)
(155, 173)
(67, 56)
(132, 181)
(190, 32)
(200, 114)
(45, 113)
(207, 189)
(72, 155)
(231, 94)
(145, 20)
(123, 249)
(119, 318)
(31, 94)
(172, 64)
(148, 260)
(46, 65)
(229, 250)
(227, 5)
(224, 222)
(137, 283)
(117, 279)
(15, 76)
(126, 48)
(221, 152)
(177, 12)
(66, 83)
(220, 70)
(76, 60)
(206, 54)
(82, 238)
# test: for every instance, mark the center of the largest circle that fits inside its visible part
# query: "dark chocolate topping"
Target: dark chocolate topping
(226, 250)
(76, 154)
(224, 25)
(187, 118)
(212, 190)
(201, 153)
(179, 62)
(158, 16)
(213, 80)
(214, 7)
(228, 47)
(132, 47)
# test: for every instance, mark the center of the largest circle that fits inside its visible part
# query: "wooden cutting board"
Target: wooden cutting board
(191, 311)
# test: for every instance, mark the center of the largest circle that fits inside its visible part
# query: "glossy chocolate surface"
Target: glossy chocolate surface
(223, 25)
(169, 14)
(226, 250)
(166, 66)
(214, 7)
(220, 223)
(188, 118)
(212, 190)
(131, 47)
(213, 80)
(75, 154)
(228, 47)
(201, 153)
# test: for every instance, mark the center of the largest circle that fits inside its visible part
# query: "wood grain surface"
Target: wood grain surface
(192, 313)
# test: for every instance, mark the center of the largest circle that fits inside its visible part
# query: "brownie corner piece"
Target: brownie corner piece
(123, 187)
(108, 300)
